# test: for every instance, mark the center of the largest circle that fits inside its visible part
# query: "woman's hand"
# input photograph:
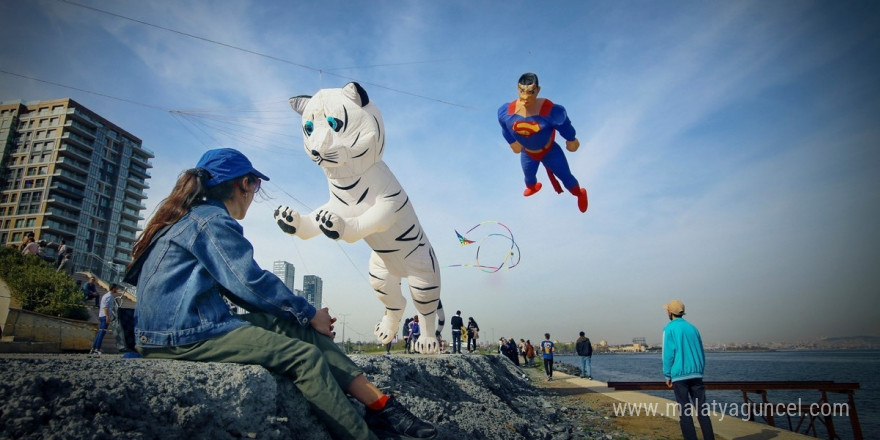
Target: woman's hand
(322, 322)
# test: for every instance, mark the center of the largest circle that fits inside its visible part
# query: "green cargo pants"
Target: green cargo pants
(318, 368)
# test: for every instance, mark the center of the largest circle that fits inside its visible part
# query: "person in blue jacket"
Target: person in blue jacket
(683, 364)
(193, 255)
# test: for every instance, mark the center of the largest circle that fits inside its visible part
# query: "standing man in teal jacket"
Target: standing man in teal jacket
(683, 363)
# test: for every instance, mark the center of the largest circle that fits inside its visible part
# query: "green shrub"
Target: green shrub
(39, 288)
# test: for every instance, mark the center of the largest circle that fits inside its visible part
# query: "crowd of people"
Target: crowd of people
(63, 252)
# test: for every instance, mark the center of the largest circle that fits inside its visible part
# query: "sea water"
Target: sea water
(837, 366)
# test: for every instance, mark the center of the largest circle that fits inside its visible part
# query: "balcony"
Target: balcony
(67, 190)
(138, 182)
(73, 163)
(67, 176)
(64, 216)
(129, 225)
(59, 227)
(134, 203)
(127, 213)
(136, 192)
(72, 151)
(142, 161)
(80, 116)
(138, 171)
(80, 129)
(78, 141)
(64, 202)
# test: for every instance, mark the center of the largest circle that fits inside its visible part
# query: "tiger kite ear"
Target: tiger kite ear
(298, 103)
(356, 93)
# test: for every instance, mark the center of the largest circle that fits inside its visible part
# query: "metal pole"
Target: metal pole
(344, 346)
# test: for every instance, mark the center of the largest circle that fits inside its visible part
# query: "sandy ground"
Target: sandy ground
(592, 412)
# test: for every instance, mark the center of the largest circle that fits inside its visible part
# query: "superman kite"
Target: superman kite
(529, 125)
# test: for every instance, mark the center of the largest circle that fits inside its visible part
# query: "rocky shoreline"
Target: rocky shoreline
(77, 396)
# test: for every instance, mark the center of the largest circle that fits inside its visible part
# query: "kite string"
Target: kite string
(514, 249)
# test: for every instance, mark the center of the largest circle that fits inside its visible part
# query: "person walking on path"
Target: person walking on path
(406, 340)
(683, 364)
(530, 353)
(585, 351)
(547, 349)
(414, 332)
(457, 324)
(193, 255)
(512, 351)
(104, 318)
(473, 332)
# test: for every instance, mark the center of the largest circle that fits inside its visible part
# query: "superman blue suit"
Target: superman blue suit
(537, 135)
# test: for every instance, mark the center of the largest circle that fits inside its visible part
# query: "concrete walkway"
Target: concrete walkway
(732, 428)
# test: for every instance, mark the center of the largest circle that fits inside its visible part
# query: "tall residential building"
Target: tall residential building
(68, 173)
(312, 287)
(285, 271)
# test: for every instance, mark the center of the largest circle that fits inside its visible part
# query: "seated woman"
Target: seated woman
(192, 254)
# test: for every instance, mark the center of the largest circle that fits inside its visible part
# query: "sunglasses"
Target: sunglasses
(257, 183)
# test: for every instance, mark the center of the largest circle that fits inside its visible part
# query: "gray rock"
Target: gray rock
(76, 396)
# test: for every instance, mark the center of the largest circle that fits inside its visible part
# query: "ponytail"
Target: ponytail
(188, 191)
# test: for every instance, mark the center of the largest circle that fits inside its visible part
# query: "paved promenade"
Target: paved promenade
(731, 428)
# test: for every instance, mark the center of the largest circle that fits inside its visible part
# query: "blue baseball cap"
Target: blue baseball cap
(225, 164)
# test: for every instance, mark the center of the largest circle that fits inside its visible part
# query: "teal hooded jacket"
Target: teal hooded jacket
(683, 355)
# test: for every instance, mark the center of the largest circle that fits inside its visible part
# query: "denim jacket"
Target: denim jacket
(202, 258)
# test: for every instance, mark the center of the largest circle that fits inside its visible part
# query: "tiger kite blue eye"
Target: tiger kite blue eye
(308, 128)
(334, 123)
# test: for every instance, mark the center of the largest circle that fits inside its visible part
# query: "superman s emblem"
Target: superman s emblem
(526, 128)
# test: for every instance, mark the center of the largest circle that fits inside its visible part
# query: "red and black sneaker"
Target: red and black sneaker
(396, 422)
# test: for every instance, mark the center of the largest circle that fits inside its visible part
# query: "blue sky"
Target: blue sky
(731, 150)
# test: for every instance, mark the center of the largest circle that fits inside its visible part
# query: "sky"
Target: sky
(731, 150)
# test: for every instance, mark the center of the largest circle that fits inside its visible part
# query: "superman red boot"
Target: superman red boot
(581, 194)
(532, 189)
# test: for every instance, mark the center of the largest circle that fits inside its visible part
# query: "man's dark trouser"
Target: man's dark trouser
(317, 366)
(456, 341)
(548, 367)
(693, 390)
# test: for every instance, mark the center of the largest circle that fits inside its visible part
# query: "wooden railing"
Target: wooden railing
(808, 416)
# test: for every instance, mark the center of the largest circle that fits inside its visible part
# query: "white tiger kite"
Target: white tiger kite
(344, 134)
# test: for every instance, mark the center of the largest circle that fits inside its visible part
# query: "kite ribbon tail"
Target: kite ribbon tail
(556, 186)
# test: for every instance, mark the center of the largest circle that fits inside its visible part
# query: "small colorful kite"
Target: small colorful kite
(510, 260)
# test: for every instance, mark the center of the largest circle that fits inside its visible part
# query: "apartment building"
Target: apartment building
(68, 173)
(313, 286)
(285, 271)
